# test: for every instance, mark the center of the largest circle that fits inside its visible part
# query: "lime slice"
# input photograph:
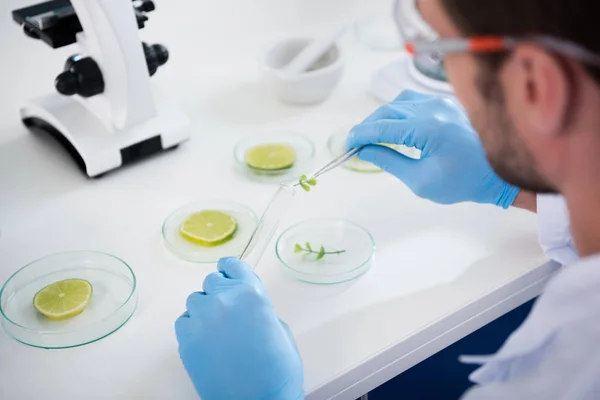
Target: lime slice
(208, 228)
(271, 157)
(63, 299)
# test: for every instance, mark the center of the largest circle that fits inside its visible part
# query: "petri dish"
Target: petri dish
(303, 147)
(113, 301)
(334, 235)
(246, 224)
(337, 143)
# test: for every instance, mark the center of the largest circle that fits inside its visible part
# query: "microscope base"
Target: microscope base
(97, 148)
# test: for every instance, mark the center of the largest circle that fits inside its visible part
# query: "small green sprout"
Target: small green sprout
(306, 182)
(320, 254)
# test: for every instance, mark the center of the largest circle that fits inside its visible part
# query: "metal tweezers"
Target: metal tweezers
(337, 162)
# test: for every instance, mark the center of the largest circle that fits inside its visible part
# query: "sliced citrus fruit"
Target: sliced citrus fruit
(208, 228)
(63, 299)
(271, 157)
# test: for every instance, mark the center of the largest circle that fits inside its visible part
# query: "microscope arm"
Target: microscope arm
(111, 35)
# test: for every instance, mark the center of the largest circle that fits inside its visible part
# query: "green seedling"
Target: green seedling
(306, 183)
(320, 254)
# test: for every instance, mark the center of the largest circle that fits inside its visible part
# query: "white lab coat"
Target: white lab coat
(555, 354)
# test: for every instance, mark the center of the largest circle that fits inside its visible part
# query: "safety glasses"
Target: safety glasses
(429, 50)
(493, 44)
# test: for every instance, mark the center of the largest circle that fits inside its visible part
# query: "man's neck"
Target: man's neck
(580, 171)
(584, 210)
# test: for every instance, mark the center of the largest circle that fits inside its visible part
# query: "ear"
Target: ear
(537, 90)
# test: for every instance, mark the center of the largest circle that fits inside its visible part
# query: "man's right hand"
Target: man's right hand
(453, 166)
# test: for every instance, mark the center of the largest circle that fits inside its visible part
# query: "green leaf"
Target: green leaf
(297, 248)
(321, 253)
(302, 179)
(305, 186)
(312, 182)
(308, 246)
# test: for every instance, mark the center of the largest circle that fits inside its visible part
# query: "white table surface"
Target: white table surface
(440, 272)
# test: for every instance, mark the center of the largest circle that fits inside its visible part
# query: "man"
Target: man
(534, 101)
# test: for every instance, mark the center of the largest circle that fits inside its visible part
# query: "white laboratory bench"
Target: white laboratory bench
(439, 273)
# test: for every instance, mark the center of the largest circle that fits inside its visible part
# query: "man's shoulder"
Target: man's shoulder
(555, 353)
(565, 366)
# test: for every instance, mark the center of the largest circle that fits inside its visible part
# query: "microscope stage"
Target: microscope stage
(55, 22)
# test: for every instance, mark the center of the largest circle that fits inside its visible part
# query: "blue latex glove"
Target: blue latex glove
(453, 167)
(232, 344)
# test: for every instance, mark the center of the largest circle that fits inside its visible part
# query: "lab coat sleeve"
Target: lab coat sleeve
(586, 387)
(555, 229)
(569, 369)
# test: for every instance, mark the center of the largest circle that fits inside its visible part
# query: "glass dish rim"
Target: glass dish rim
(126, 302)
(369, 259)
(242, 163)
(171, 246)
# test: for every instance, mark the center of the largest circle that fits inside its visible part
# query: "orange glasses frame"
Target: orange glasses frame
(495, 44)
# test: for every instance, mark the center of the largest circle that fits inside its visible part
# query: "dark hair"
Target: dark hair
(573, 20)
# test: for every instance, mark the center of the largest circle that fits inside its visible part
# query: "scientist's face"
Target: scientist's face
(498, 105)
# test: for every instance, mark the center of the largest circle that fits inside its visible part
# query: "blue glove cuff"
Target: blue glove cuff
(508, 196)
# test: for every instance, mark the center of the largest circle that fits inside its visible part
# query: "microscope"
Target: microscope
(104, 111)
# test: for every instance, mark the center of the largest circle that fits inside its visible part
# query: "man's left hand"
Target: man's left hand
(232, 344)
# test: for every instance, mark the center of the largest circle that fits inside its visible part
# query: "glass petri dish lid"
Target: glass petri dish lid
(113, 301)
(303, 148)
(337, 143)
(245, 218)
(355, 245)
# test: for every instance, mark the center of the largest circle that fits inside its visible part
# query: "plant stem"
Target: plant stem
(327, 252)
